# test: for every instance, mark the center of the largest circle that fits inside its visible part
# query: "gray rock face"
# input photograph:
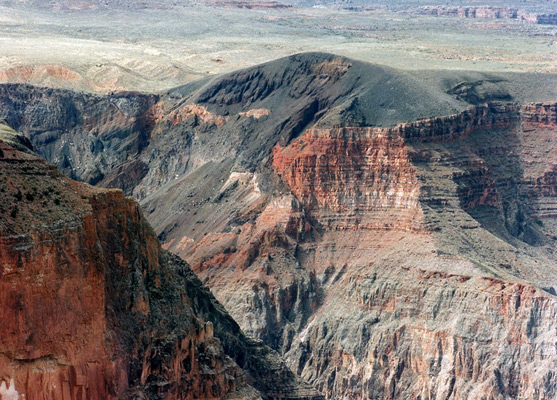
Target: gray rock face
(83, 135)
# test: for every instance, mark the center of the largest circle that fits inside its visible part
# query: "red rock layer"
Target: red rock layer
(378, 264)
(353, 173)
(541, 114)
(451, 127)
(359, 170)
(81, 273)
(386, 328)
(28, 74)
(546, 185)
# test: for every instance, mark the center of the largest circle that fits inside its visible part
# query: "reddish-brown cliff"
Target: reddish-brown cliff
(325, 170)
(386, 251)
(395, 265)
(93, 308)
(542, 114)
(64, 331)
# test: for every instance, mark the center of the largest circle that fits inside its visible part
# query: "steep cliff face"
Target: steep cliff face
(325, 169)
(411, 313)
(393, 236)
(93, 308)
(540, 114)
(396, 266)
(83, 298)
(85, 136)
(423, 334)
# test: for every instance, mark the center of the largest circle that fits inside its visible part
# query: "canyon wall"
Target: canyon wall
(85, 136)
(489, 12)
(93, 308)
(406, 251)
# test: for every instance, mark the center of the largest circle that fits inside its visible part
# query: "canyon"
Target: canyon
(93, 308)
(391, 234)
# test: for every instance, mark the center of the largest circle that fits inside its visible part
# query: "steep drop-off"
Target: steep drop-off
(85, 136)
(93, 308)
(391, 234)
(394, 269)
(432, 308)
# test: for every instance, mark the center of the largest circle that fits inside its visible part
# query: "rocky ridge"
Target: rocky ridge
(489, 12)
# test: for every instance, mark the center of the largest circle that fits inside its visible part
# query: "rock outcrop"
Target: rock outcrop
(392, 236)
(93, 308)
(85, 136)
(399, 253)
(250, 5)
(541, 114)
(376, 326)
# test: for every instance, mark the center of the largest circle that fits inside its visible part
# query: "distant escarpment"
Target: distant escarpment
(250, 5)
(92, 307)
(489, 12)
(391, 234)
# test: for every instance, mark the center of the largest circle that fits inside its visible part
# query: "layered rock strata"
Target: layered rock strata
(85, 136)
(403, 254)
(490, 12)
(392, 236)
